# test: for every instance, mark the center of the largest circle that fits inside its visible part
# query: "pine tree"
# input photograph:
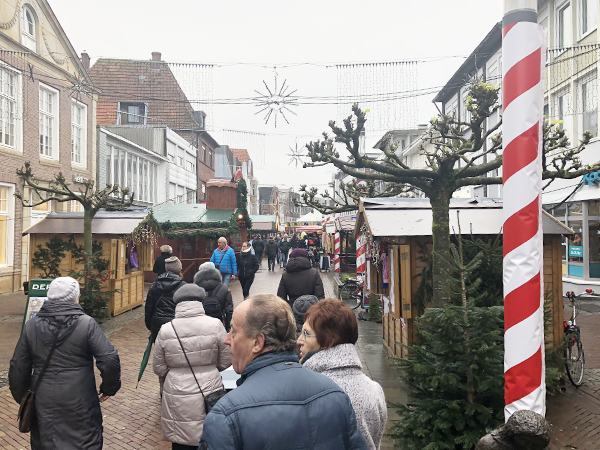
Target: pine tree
(454, 371)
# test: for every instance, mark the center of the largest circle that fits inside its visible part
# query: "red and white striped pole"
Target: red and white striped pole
(336, 256)
(523, 57)
(361, 257)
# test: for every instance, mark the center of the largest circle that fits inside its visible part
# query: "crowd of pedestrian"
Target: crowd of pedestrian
(300, 375)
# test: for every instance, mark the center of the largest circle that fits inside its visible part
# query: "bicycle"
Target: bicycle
(574, 354)
(351, 292)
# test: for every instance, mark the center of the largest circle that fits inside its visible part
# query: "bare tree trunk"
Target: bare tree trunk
(440, 209)
(87, 245)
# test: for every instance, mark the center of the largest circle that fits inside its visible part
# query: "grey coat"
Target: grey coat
(67, 405)
(342, 365)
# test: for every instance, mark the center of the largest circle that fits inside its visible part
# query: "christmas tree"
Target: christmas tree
(454, 371)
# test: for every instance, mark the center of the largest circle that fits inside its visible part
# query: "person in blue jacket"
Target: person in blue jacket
(278, 404)
(224, 260)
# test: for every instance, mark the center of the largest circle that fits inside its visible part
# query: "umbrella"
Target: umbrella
(145, 360)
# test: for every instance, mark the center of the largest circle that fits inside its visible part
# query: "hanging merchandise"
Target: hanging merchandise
(133, 257)
(385, 269)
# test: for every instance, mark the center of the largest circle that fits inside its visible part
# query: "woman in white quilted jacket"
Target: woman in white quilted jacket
(203, 340)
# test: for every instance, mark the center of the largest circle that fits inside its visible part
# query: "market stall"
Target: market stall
(126, 243)
(398, 242)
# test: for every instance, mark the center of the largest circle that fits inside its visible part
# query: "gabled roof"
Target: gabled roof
(388, 217)
(486, 48)
(105, 222)
(151, 82)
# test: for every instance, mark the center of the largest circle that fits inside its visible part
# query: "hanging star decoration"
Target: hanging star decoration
(296, 155)
(276, 102)
(80, 86)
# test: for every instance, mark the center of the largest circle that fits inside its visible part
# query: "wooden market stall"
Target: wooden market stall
(399, 230)
(114, 231)
(192, 230)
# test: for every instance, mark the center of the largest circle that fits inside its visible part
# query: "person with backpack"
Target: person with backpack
(160, 308)
(218, 302)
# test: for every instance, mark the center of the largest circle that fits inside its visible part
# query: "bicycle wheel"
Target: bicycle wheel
(575, 360)
(349, 296)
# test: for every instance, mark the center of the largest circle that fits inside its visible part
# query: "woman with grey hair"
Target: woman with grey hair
(67, 403)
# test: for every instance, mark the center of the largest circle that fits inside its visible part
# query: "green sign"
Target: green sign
(38, 289)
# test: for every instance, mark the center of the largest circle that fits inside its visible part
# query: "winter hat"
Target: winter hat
(166, 249)
(207, 271)
(189, 293)
(301, 305)
(299, 253)
(64, 289)
(173, 264)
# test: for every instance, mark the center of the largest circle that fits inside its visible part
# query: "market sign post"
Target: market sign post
(38, 291)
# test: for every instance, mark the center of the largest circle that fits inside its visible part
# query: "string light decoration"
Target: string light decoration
(196, 81)
(254, 142)
(386, 89)
(276, 102)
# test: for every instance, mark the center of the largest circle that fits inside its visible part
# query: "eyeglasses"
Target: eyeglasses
(305, 335)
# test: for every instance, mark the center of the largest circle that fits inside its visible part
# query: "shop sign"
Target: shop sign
(591, 178)
(38, 289)
(576, 251)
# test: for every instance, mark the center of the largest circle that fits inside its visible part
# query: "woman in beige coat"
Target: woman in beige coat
(203, 339)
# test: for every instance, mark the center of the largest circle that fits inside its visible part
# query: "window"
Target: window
(78, 133)
(210, 157)
(28, 28)
(465, 116)
(204, 153)
(190, 163)
(451, 108)
(589, 105)
(180, 157)
(171, 150)
(76, 206)
(562, 109)
(132, 171)
(7, 215)
(134, 113)
(587, 17)
(172, 192)
(10, 82)
(48, 122)
(563, 26)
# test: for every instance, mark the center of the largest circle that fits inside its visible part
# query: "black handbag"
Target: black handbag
(211, 399)
(27, 415)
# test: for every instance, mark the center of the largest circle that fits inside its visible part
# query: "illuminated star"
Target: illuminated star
(276, 101)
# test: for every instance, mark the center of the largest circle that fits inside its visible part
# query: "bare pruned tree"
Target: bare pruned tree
(458, 154)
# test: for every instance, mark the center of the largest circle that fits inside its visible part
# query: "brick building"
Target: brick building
(46, 121)
(146, 95)
(246, 165)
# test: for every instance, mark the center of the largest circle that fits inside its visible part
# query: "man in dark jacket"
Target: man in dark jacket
(271, 250)
(67, 405)
(159, 265)
(247, 267)
(160, 308)
(278, 402)
(218, 302)
(300, 278)
(259, 247)
(284, 249)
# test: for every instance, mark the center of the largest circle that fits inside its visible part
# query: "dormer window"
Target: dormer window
(28, 28)
(132, 113)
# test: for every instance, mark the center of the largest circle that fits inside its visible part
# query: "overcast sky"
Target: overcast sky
(261, 34)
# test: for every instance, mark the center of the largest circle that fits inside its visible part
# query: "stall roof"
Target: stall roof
(345, 223)
(412, 217)
(105, 222)
(263, 218)
(189, 213)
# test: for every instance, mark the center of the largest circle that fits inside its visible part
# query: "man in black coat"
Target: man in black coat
(300, 278)
(259, 247)
(67, 402)
(218, 302)
(160, 308)
(271, 250)
(159, 265)
(284, 249)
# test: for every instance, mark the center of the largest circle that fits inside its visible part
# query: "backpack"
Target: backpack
(212, 306)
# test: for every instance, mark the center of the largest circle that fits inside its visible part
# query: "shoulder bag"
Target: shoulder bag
(218, 266)
(211, 399)
(27, 415)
